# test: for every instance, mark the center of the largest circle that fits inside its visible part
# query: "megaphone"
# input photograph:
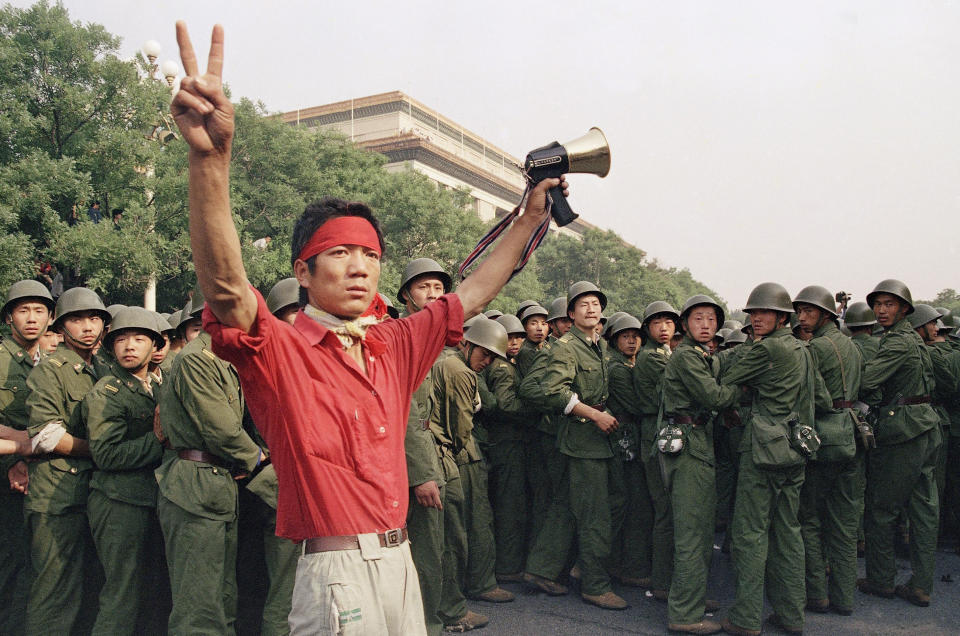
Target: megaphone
(588, 154)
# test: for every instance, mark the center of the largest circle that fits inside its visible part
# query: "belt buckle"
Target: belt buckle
(393, 538)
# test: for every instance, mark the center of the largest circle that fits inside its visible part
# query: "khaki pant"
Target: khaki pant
(373, 590)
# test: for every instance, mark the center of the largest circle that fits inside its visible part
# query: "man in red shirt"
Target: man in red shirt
(331, 392)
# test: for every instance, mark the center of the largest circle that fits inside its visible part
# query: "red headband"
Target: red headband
(341, 230)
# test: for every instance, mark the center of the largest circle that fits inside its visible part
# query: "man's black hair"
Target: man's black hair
(318, 213)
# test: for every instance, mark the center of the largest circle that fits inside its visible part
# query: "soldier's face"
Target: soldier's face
(628, 342)
(514, 342)
(480, 358)
(560, 326)
(661, 329)
(132, 349)
(702, 324)
(811, 318)
(159, 355)
(889, 309)
(84, 328)
(763, 321)
(537, 329)
(288, 314)
(421, 291)
(192, 329)
(28, 320)
(928, 332)
(586, 312)
(343, 281)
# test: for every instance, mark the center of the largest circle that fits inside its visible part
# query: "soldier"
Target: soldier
(202, 416)
(897, 383)
(432, 473)
(493, 314)
(523, 306)
(64, 559)
(660, 323)
(860, 320)
(176, 339)
(691, 395)
(469, 551)
(558, 320)
(573, 384)
(632, 528)
(534, 321)
(122, 507)
(832, 492)
(27, 311)
(505, 426)
(767, 547)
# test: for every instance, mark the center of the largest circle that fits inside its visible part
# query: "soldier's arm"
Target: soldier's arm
(488, 399)
(647, 378)
(199, 388)
(556, 380)
(45, 405)
(461, 393)
(620, 379)
(420, 450)
(889, 357)
(502, 381)
(106, 417)
(752, 365)
(698, 380)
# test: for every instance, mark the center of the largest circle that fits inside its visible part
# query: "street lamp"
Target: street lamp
(163, 133)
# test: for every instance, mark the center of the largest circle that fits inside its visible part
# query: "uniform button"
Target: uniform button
(215, 471)
(396, 504)
(383, 430)
(73, 471)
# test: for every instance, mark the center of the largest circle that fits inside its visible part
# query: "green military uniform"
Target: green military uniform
(632, 528)
(64, 559)
(122, 508)
(867, 344)
(202, 410)
(946, 382)
(525, 357)
(767, 547)
(950, 505)
(15, 575)
(900, 471)
(504, 450)
(647, 383)
(691, 395)
(469, 549)
(832, 493)
(575, 365)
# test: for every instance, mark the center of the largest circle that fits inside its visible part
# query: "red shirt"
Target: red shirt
(335, 434)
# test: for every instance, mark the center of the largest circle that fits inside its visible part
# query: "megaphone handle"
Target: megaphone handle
(561, 211)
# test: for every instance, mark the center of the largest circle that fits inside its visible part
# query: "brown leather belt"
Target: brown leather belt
(389, 539)
(842, 404)
(686, 419)
(916, 399)
(200, 456)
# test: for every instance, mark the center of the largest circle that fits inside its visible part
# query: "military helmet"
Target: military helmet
(819, 297)
(194, 306)
(283, 294)
(490, 335)
(134, 318)
(511, 323)
(471, 321)
(530, 312)
(174, 320)
(945, 313)
(419, 267)
(697, 301)
(523, 305)
(24, 290)
(942, 328)
(735, 336)
(392, 311)
(622, 323)
(740, 316)
(894, 288)
(859, 314)
(734, 325)
(78, 299)
(723, 333)
(609, 323)
(772, 296)
(581, 288)
(922, 314)
(558, 308)
(658, 307)
(493, 314)
(113, 309)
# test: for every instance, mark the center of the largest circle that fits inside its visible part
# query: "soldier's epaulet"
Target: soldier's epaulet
(57, 362)
(209, 354)
(502, 363)
(112, 385)
(565, 338)
(701, 351)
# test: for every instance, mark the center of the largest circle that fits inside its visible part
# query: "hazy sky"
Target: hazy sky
(804, 143)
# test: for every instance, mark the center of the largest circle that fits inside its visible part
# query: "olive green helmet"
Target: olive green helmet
(472, 321)
(163, 322)
(772, 296)
(736, 336)
(819, 297)
(192, 309)
(174, 320)
(922, 314)
(283, 294)
(697, 301)
(622, 323)
(558, 309)
(657, 308)
(78, 299)
(608, 323)
(493, 314)
(740, 316)
(722, 334)
(419, 267)
(581, 288)
(134, 318)
(530, 312)
(512, 324)
(27, 290)
(945, 313)
(392, 311)
(488, 334)
(735, 325)
(859, 314)
(113, 309)
(523, 305)
(894, 288)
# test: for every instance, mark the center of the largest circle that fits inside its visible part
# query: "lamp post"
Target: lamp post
(162, 133)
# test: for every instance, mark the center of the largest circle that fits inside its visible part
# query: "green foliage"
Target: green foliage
(948, 298)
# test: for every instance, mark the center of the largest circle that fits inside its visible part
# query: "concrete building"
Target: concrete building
(415, 137)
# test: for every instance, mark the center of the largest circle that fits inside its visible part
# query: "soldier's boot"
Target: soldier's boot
(819, 605)
(468, 622)
(544, 584)
(913, 595)
(607, 600)
(496, 595)
(865, 586)
(736, 630)
(703, 627)
(776, 622)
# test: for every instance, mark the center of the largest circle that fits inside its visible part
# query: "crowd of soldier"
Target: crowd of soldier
(551, 446)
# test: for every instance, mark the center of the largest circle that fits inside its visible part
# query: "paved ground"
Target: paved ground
(539, 614)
